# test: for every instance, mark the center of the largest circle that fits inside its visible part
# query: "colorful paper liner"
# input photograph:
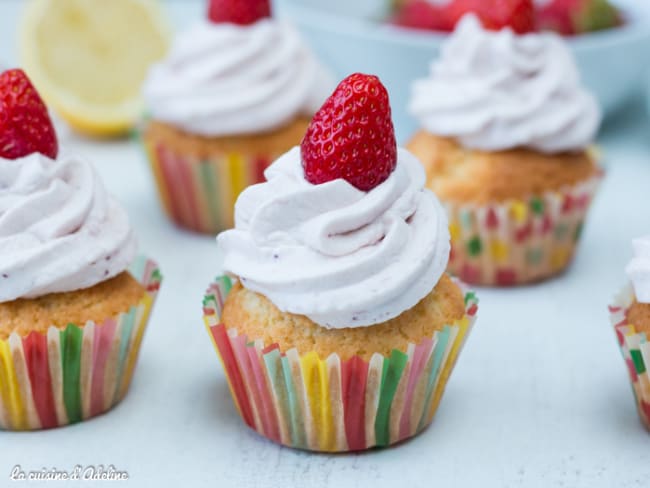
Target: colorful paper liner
(330, 405)
(518, 241)
(635, 349)
(199, 194)
(72, 374)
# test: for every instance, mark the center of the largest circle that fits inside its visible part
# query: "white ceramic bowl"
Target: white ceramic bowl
(345, 34)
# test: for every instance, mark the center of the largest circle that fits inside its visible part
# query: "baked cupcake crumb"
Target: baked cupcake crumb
(638, 315)
(254, 315)
(459, 174)
(272, 142)
(104, 300)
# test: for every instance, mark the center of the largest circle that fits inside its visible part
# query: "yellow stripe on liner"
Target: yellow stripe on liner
(314, 373)
(10, 390)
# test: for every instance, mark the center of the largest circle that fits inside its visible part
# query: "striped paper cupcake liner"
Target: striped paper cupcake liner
(331, 405)
(518, 241)
(199, 194)
(635, 350)
(72, 374)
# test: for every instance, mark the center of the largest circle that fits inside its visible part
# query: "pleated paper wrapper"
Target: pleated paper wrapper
(635, 350)
(75, 373)
(518, 241)
(199, 194)
(330, 405)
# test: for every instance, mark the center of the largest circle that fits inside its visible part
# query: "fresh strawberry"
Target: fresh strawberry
(556, 16)
(352, 136)
(420, 14)
(569, 17)
(25, 125)
(242, 12)
(519, 15)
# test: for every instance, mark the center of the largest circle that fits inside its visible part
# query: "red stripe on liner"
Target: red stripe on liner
(354, 377)
(175, 199)
(102, 346)
(260, 165)
(619, 335)
(234, 375)
(184, 171)
(270, 348)
(420, 359)
(264, 399)
(36, 357)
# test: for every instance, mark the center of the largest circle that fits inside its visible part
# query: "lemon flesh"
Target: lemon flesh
(89, 58)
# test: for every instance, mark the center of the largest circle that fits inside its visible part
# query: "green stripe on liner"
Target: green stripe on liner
(225, 285)
(470, 296)
(211, 193)
(298, 436)
(275, 374)
(71, 340)
(223, 188)
(537, 206)
(436, 358)
(156, 276)
(638, 361)
(391, 374)
(127, 320)
(578, 231)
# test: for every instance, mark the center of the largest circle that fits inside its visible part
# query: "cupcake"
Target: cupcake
(336, 324)
(630, 316)
(505, 141)
(237, 90)
(75, 299)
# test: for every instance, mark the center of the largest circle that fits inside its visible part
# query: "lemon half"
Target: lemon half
(88, 58)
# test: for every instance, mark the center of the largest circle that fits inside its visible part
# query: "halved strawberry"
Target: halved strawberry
(352, 136)
(420, 14)
(25, 125)
(519, 15)
(242, 12)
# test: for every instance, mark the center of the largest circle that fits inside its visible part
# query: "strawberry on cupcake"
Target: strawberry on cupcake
(25, 125)
(74, 297)
(237, 90)
(506, 128)
(340, 327)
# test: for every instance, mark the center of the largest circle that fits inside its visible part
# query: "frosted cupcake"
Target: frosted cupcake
(237, 90)
(74, 298)
(505, 141)
(630, 316)
(336, 324)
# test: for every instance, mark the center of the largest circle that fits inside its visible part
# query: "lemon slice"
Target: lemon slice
(88, 58)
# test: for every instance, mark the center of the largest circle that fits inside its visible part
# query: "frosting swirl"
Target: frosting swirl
(59, 230)
(226, 79)
(341, 256)
(639, 269)
(496, 90)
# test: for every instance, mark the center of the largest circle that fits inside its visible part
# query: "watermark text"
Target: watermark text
(77, 473)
